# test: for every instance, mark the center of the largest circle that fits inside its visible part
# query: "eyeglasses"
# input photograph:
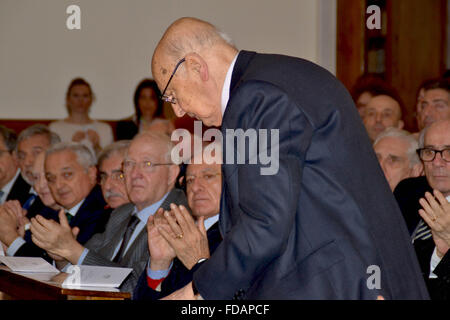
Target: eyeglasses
(148, 166)
(115, 176)
(428, 154)
(171, 99)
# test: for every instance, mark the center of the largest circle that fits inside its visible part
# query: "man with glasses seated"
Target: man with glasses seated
(149, 179)
(433, 104)
(431, 237)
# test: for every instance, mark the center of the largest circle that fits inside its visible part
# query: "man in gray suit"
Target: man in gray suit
(150, 179)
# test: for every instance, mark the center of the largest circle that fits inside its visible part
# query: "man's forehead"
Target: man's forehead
(200, 168)
(113, 163)
(63, 158)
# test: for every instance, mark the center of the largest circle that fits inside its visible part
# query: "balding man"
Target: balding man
(396, 153)
(432, 235)
(311, 229)
(172, 260)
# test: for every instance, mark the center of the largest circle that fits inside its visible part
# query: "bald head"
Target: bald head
(198, 55)
(189, 35)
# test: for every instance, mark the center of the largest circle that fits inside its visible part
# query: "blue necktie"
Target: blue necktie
(29, 202)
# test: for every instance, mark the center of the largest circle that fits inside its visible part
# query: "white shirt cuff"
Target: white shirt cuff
(15, 246)
(433, 263)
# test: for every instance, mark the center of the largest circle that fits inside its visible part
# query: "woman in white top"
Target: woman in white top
(78, 126)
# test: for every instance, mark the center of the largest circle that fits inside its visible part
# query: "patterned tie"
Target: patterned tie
(422, 232)
(29, 202)
(126, 237)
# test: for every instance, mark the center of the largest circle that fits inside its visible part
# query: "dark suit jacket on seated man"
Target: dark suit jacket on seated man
(124, 242)
(72, 179)
(432, 235)
(313, 228)
(171, 268)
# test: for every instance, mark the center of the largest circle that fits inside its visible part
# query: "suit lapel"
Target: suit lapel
(172, 197)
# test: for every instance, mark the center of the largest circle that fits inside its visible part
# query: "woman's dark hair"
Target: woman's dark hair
(148, 83)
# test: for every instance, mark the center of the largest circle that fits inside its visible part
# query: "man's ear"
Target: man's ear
(197, 65)
(401, 124)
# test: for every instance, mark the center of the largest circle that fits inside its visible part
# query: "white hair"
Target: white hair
(413, 145)
(85, 157)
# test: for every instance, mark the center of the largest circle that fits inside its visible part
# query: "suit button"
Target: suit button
(239, 295)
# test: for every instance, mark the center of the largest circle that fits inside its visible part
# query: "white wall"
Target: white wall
(39, 55)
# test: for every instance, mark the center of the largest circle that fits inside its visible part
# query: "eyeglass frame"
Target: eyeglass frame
(151, 166)
(435, 153)
(163, 95)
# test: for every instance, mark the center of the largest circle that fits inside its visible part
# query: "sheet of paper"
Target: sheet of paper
(28, 264)
(95, 276)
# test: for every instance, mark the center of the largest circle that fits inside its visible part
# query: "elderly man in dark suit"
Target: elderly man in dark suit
(174, 260)
(72, 179)
(149, 178)
(314, 228)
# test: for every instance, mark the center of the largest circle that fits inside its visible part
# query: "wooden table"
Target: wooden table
(48, 286)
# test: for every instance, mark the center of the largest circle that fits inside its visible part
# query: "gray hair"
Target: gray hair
(405, 136)
(9, 138)
(38, 129)
(85, 157)
(160, 137)
(119, 147)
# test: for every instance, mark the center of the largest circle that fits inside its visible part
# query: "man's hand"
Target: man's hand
(21, 214)
(185, 293)
(56, 238)
(9, 224)
(436, 213)
(161, 253)
(189, 240)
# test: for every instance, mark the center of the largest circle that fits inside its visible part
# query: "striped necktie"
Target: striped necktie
(422, 232)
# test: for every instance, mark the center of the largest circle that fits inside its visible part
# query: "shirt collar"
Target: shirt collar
(73, 211)
(210, 221)
(227, 84)
(145, 213)
(448, 198)
(7, 188)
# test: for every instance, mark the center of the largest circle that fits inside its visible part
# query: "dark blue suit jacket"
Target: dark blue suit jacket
(179, 275)
(19, 190)
(318, 227)
(91, 218)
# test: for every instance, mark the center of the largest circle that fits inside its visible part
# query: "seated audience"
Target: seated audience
(149, 179)
(149, 113)
(367, 86)
(78, 126)
(432, 234)
(31, 142)
(396, 152)
(111, 177)
(382, 111)
(176, 254)
(433, 105)
(72, 179)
